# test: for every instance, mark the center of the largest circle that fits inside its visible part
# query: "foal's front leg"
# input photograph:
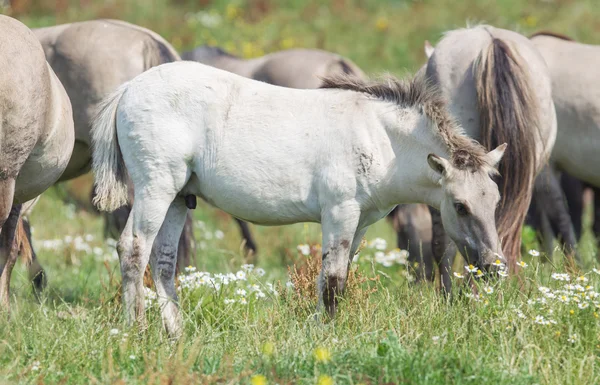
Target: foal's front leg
(339, 226)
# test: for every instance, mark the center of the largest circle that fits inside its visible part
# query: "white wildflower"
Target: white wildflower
(534, 253)
(378, 244)
(304, 249)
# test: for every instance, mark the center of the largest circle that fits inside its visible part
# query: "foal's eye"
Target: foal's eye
(461, 209)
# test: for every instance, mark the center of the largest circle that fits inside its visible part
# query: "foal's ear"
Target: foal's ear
(428, 49)
(494, 156)
(439, 165)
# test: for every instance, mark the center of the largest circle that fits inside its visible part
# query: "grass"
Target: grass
(388, 330)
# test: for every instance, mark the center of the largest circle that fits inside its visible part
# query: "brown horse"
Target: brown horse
(36, 135)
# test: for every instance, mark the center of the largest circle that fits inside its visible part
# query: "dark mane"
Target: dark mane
(466, 153)
(552, 34)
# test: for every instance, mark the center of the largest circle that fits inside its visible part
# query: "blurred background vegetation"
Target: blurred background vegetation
(378, 35)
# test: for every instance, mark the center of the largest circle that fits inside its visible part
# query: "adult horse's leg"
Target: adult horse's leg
(37, 275)
(549, 198)
(163, 261)
(596, 218)
(408, 238)
(339, 225)
(250, 245)
(8, 254)
(442, 249)
(573, 190)
(186, 249)
(135, 245)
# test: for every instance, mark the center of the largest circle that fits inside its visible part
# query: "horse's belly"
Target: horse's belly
(576, 150)
(262, 204)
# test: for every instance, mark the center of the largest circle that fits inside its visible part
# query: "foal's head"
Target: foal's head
(468, 206)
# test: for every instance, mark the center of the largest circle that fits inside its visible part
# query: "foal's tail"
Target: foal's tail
(109, 168)
(508, 113)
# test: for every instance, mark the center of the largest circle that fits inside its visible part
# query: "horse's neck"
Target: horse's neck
(411, 179)
(236, 65)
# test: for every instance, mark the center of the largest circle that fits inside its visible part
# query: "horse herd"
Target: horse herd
(479, 134)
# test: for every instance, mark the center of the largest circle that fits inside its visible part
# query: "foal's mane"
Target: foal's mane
(551, 34)
(465, 153)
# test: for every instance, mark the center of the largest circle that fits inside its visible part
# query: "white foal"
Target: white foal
(344, 156)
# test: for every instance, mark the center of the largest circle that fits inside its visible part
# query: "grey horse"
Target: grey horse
(36, 134)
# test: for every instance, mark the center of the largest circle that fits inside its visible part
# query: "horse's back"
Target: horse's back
(92, 59)
(36, 125)
(303, 68)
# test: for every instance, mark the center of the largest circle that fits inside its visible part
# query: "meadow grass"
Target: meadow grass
(388, 329)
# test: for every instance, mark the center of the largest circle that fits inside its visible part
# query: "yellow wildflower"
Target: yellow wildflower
(322, 354)
(258, 379)
(324, 380)
(268, 348)
(287, 43)
(231, 12)
(382, 24)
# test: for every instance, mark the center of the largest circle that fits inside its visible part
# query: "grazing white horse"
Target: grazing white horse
(499, 89)
(343, 156)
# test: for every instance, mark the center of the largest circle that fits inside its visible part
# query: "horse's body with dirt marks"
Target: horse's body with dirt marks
(576, 98)
(499, 89)
(306, 69)
(343, 156)
(36, 134)
(292, 68)
(92, 59)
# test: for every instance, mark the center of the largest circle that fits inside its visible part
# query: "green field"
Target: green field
(534, 328)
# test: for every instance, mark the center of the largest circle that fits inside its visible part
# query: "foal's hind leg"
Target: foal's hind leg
(8, 255)
(146, 218)
(163, 260)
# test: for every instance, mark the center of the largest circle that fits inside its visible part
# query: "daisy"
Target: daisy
(581, 278)
(229, 301)
(498, 263)
(560, 277)
(259, 272)
(378, 244)
(488, 289)
(573, 338)
(249, 266)
(502, 273)
(241, 275)
(458, 275)
(534, 253)
(471, 269)
(113, 332)
(596, 271)
(583, 305)
(241, 292)
(243, 301)
(544, 289)
(304, 249)
(523, 264)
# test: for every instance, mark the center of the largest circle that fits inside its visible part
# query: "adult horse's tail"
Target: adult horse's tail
(109, 168)
(508, 114)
